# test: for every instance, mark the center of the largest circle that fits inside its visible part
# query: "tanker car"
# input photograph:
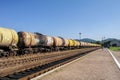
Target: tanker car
(17, 43)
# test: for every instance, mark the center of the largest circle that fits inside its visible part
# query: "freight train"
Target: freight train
(17, 43)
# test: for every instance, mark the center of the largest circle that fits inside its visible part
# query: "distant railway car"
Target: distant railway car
(66, 42)
(58, 42)
(82, 44)
(78, 44)
(71, 43)
(50, 41)
(75, 43)
(44, 40)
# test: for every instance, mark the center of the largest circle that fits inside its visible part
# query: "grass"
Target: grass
(115, 48)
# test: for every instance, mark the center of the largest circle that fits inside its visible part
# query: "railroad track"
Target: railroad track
(27, 67)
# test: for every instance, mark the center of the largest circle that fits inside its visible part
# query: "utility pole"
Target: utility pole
(103, 41)
(80, 35)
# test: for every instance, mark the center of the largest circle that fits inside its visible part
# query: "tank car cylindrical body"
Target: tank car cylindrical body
(82, 44)
(8, 37)
(77, 43)
(49, 40)
(63, 41)
(44, 40)
(66, 42)
(26, 39)
(58, 42)
(71, 42)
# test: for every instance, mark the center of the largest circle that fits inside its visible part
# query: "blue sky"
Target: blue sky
(93, 18)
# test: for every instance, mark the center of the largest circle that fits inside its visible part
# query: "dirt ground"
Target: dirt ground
(97, 65)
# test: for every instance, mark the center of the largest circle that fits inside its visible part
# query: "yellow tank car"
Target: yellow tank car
(76, 43)
(8, 37)
(71, 42)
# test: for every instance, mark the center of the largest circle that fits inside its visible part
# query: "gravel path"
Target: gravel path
(97, 65)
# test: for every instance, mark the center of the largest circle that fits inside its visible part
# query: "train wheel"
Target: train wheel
(31, 52)
(12, 53)
(5, 54)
